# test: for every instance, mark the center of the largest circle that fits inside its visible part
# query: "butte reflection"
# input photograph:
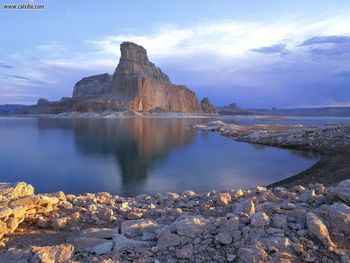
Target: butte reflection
(137, 144)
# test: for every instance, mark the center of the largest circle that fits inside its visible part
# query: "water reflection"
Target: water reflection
(133, 156)
(136, 144)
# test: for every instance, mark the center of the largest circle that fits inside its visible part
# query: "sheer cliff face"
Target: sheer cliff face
(146, 87)
(140, 85)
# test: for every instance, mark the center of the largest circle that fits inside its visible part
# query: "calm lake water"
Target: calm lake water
(133, 156)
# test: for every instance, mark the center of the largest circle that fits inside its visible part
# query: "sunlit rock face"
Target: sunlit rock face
(139, 84)
(146, 87)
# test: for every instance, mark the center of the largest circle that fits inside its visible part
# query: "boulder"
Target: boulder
(318, 229)
(223, 238)
(53, 254)
(168, 239)
(132, 228)
(121, 242)
(260, 219)
(190, 226)
(9, 191)
(92, 245)
(247, 207)
(252, 254)
(339, 218)
(279, 221)
(185, 252)
(223, 198)
(342, 191)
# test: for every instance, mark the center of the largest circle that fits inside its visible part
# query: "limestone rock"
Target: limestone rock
(59, 223)
(168, 239)
(246, 207)
(121, 242)
(223, 238)
(207, 107)
(223, 198)
(185, 252)
(92, 245)
(103, 248)
(279, 221)
(53, 254)
(190, 226)
(260, 219)
(318, 229)
(9, 191)
(342, 190)
(132, 228)
(339, 217)
(252, 254)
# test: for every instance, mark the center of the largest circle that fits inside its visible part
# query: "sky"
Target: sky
(259, 54)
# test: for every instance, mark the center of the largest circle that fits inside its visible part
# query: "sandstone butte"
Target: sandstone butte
(137, 85)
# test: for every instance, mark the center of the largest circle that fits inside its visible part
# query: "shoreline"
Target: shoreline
(293, 223)
(332, 143)
(113, 115)
(297, 224)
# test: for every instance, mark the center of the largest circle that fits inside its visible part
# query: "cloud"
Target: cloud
(17, 77)
(274, 49)
(4, 65)
(326, 40)
(226, 60)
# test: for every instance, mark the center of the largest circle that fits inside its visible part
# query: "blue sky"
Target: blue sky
(256, 53)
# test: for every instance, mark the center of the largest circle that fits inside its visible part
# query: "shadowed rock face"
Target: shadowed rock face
(93, 86)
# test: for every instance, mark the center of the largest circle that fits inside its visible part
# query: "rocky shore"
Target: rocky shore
(298, 224)
(306, 222)
(331, 143)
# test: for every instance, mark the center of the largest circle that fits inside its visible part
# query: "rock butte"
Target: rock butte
(137, 85)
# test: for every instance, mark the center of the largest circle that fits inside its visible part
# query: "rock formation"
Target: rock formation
(233, 109)
(207, 107)
(136, 85)
(140, 84)
(93, 86)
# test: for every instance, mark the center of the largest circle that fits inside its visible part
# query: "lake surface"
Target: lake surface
(135, 155)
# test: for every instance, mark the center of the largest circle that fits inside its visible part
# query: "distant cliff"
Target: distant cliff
(233, 109)
(10, 108)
